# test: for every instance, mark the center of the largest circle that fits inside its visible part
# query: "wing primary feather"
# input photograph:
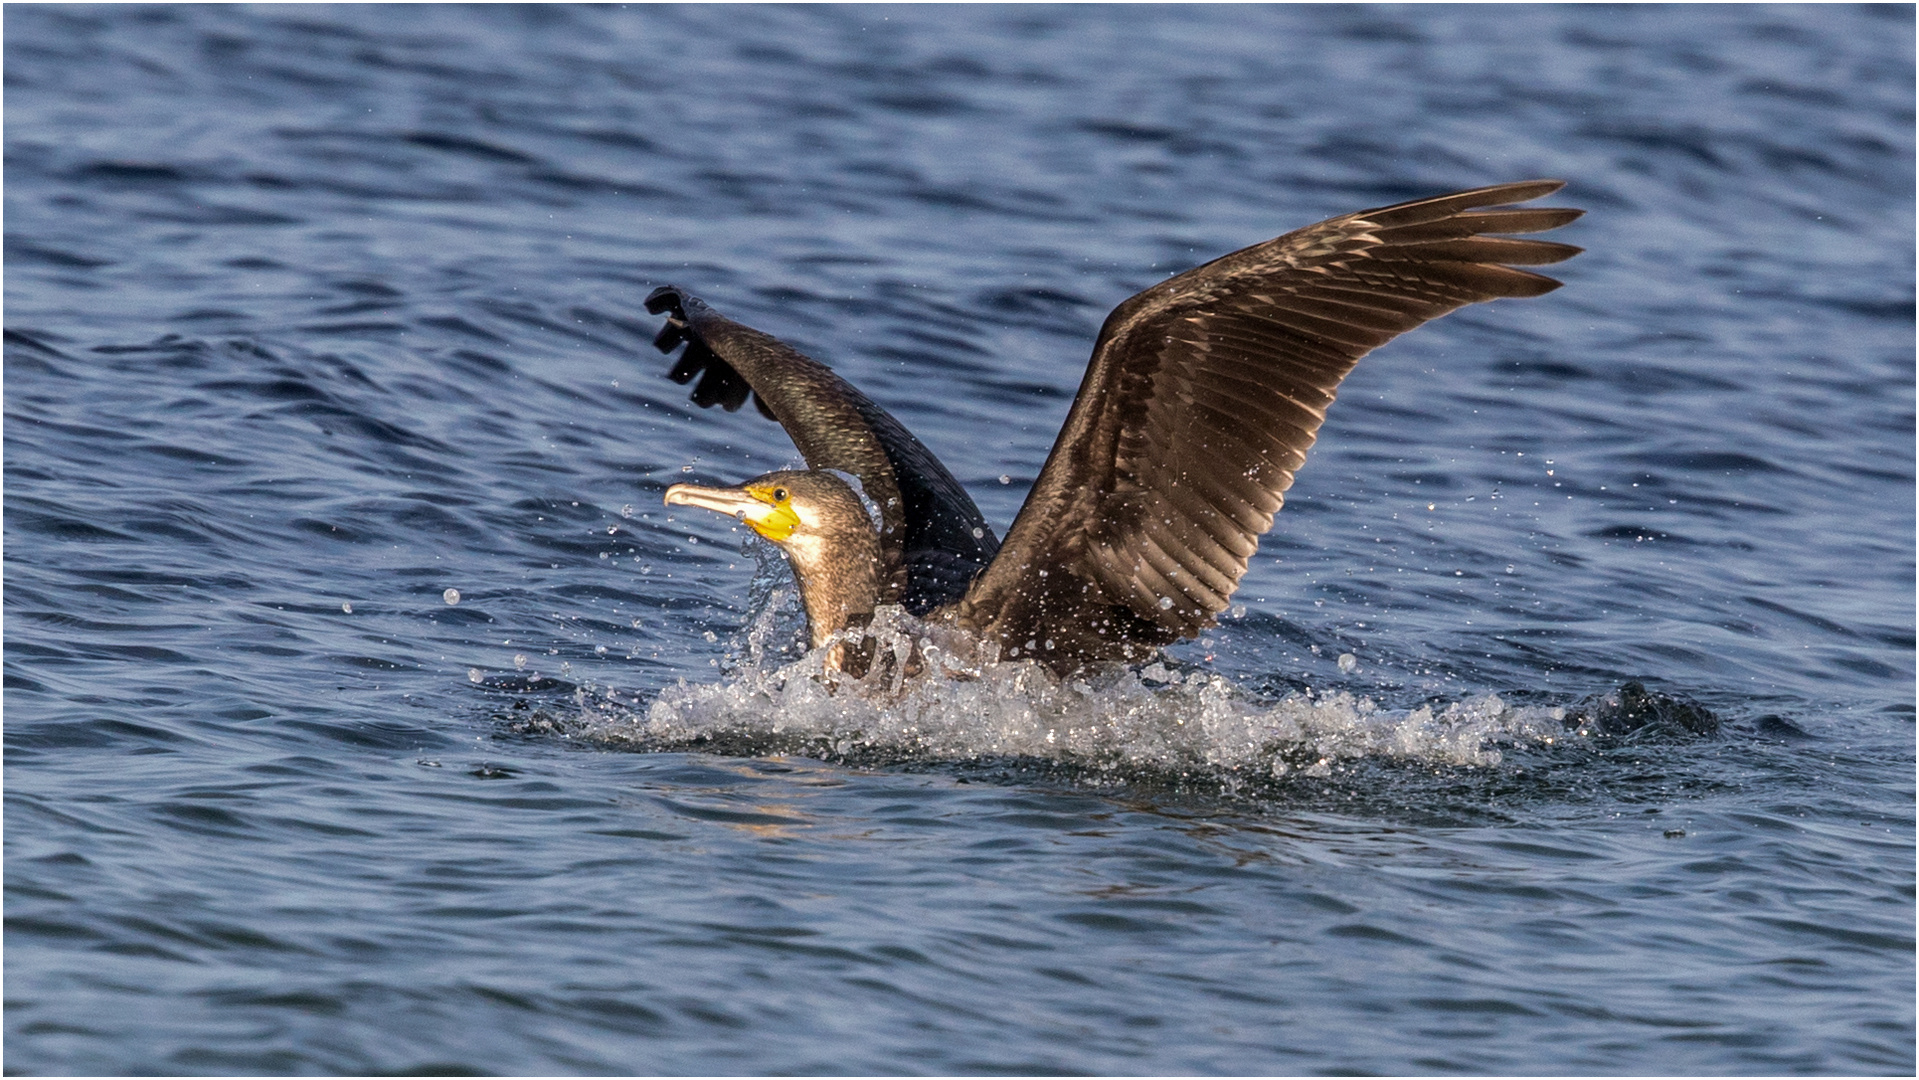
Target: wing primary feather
(1486, 249)
(1529, 220)
(1447, 205)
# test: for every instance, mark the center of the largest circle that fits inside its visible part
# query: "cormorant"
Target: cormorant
(1203, 394)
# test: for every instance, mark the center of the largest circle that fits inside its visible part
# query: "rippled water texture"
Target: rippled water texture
(1567, 727)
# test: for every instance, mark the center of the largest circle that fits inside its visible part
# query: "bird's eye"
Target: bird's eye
(779, 494)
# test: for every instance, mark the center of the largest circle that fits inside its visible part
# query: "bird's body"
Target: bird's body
(1202, 397)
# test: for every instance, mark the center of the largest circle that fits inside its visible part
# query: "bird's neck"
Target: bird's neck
(839, 580)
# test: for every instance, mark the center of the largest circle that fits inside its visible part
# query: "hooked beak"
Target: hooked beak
(757, 508)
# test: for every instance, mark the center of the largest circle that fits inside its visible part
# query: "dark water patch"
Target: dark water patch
(1725, 462)
(131, 171)
(67, 529)
(1634, 712)
(1641, 534)
(50, 256)
(460, 144)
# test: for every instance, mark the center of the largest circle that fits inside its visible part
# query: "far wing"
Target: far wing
(932, 536)
(1203, 395)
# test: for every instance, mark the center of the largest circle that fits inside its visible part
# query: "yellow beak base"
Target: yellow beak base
(773, 519)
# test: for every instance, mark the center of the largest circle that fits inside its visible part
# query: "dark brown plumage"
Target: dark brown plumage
(1203, 395)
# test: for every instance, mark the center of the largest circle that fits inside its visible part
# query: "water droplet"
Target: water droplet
(692, 539)
(347, 607)
(1165, 603)
(686, 468)
(1005, 479)
(979, 534)
(599, 650)
(710, 636)
(474, 674)
(1348, 663)
(519, 662)
(626, 511)
(612, 529)
(451, 596)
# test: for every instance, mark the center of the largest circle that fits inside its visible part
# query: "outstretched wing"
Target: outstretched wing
(1203, 395)
(932, 537)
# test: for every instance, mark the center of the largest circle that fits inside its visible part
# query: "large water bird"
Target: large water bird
(1202, 397)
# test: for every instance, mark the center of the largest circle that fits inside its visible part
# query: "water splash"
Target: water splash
(934, 695)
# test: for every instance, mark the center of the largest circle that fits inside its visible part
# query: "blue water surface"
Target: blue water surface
(320, 319)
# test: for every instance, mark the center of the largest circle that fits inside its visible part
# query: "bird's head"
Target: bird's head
(788, 508)
(821, 524)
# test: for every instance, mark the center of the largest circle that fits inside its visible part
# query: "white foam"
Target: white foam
(963, 706)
